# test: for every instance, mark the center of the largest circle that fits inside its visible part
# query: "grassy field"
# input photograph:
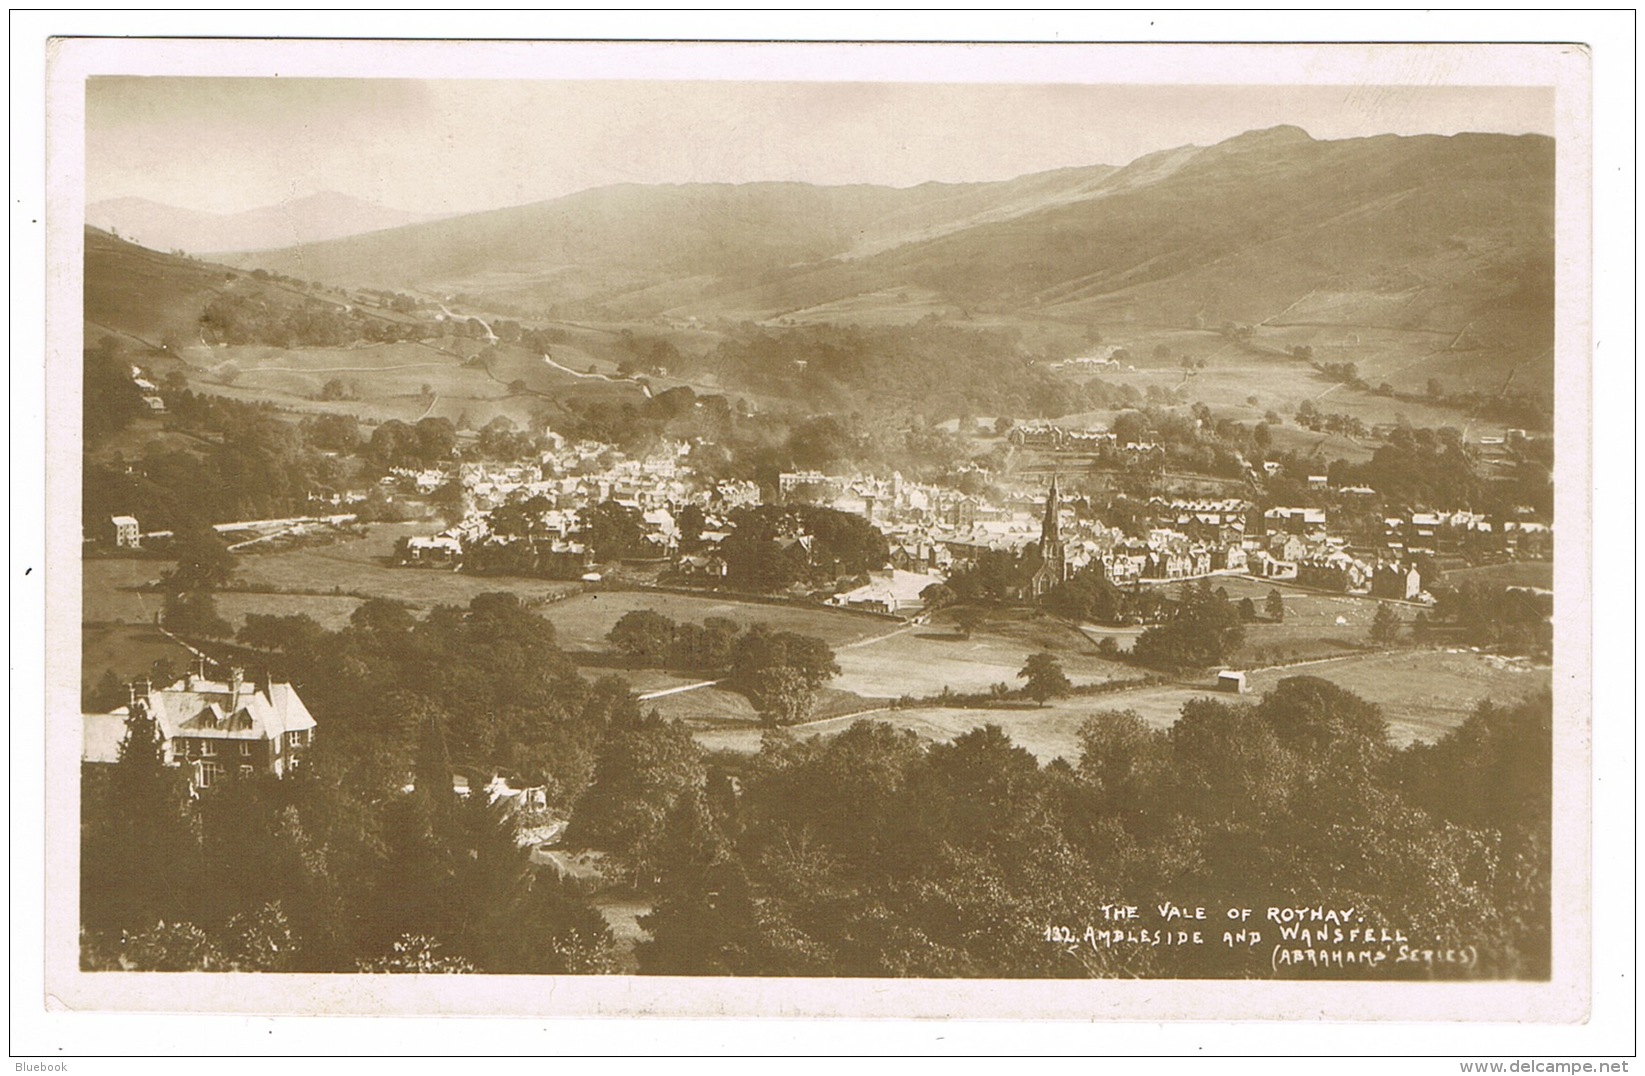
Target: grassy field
(378, 369)
(1523, 573)
(709, 708)
(127, 650)
(1236, 374)
(361, 567)
(1310, 629)
(582, 622)
(323, 581)
(922, 661)
(332, 613)
(389, 380)
(102, 598)
(1423, 694)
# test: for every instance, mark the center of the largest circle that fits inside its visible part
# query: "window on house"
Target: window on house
(245, 771)
(245, 750)
(209, 772)
(208, 748)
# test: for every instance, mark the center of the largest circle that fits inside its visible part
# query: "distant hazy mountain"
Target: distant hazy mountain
(1442, 234)
(318, 217)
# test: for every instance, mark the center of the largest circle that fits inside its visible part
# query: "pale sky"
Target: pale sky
(449, 146)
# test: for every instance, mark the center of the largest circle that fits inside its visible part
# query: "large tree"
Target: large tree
(644, 635)
(140, 851)
(1045, 677)
(612, 530)
(203, 561)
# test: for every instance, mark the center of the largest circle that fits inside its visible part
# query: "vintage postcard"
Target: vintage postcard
(1039, 531)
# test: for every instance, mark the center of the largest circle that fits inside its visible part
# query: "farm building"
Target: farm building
(1229, 680)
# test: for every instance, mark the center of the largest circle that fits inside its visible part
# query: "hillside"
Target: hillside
(612, 244)
(142, 295)
(253, 337)
(1446, 242)
(1427, 232)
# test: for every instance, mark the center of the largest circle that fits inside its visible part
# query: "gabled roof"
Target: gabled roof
(215, 710)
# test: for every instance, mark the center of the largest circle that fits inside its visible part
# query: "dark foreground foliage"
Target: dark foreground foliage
(867, 853)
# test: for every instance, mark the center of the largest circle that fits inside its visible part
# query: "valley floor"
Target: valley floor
(1423, 692)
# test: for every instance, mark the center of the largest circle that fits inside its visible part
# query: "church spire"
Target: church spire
(1051, 527)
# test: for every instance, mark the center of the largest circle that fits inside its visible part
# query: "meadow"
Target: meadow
(582, 622)
(324, 581)
(1310, 628)
(127, 650)
(1523, 573)
(923, 660)
(1262, 370)
(404, 381)
(1423, 694)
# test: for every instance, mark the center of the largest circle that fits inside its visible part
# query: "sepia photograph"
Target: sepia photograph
(543, 518)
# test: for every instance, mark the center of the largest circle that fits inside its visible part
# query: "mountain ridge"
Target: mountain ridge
(320, 216)
(1426, 233)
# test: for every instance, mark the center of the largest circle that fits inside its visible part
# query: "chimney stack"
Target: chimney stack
(236, 677)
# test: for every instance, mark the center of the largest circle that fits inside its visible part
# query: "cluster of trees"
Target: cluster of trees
(403, 444)
(238, 461)
(1310, 417)
(644, 354)
(204, 565)
(729, 442)
(111, 400)
(1510, 619)
(488, 676)
(873, 853)
(779, 671)
(1345, 373)
(1418, 467)
(933, 370)
(365, 858)
(1088, 595)
(315, 873)
(1436, 468)
(1205, 628)
(398, 302)
(247, 318)
(993, 576)
(651, 639)
(773, 547)
(502, 439)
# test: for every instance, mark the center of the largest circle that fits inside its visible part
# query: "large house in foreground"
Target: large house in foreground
(213, 727)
